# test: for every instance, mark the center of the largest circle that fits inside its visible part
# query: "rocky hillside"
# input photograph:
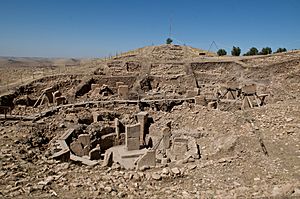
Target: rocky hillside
(166, 52)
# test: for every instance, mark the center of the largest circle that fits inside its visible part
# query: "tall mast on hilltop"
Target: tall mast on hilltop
(170, 28)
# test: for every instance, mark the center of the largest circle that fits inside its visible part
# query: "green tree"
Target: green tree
(169, 41)
(252, 51)
(222, 52)
(280, 50)
(236, 51)
(265, 51)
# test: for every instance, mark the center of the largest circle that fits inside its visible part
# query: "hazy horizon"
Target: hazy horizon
(91, 29)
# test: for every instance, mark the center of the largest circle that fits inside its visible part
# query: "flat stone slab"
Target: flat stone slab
(67, 134)
(124, 157)
(83, 160)
(134, 153)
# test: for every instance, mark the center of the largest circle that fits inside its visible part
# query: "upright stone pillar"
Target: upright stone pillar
(132, 139)
(142, 118)
(117, 125)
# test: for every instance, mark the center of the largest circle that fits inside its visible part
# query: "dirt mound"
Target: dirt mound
(167, 52)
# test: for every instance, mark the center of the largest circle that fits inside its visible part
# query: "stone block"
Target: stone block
(119, 84)
(127, 159)
(148, 159)
(249, 89)
(62, 155)
(96, 116)
(200, 100)
(94, 86)
(132, 144)
(142, 117)
(132, 139)
(108, 158)
(191, 93)
(84, 139)
(179, 148)
(123, 92)
(76, 148)
(193, 149)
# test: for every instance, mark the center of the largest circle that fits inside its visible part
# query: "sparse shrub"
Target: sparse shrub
(222, 52)
(252, 51)
(280, 50)
(265, 51)
(236, 51)
(169, 41)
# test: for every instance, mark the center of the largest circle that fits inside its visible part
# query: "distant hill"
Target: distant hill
(37, 61)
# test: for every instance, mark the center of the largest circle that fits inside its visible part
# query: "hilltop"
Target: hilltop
(166, 52)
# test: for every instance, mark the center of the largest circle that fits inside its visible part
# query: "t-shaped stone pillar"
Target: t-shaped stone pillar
(132, 140)
(142, 118)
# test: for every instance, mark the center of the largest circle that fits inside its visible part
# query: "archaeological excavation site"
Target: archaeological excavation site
(164, 121)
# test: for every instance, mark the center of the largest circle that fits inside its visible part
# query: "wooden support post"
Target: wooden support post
(257, 101)
(233, 96)
(249, 101)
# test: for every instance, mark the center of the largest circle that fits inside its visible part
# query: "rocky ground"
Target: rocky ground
(252, 153)
(238, 160)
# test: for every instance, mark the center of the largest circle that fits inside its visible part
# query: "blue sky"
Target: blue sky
(96, 28)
